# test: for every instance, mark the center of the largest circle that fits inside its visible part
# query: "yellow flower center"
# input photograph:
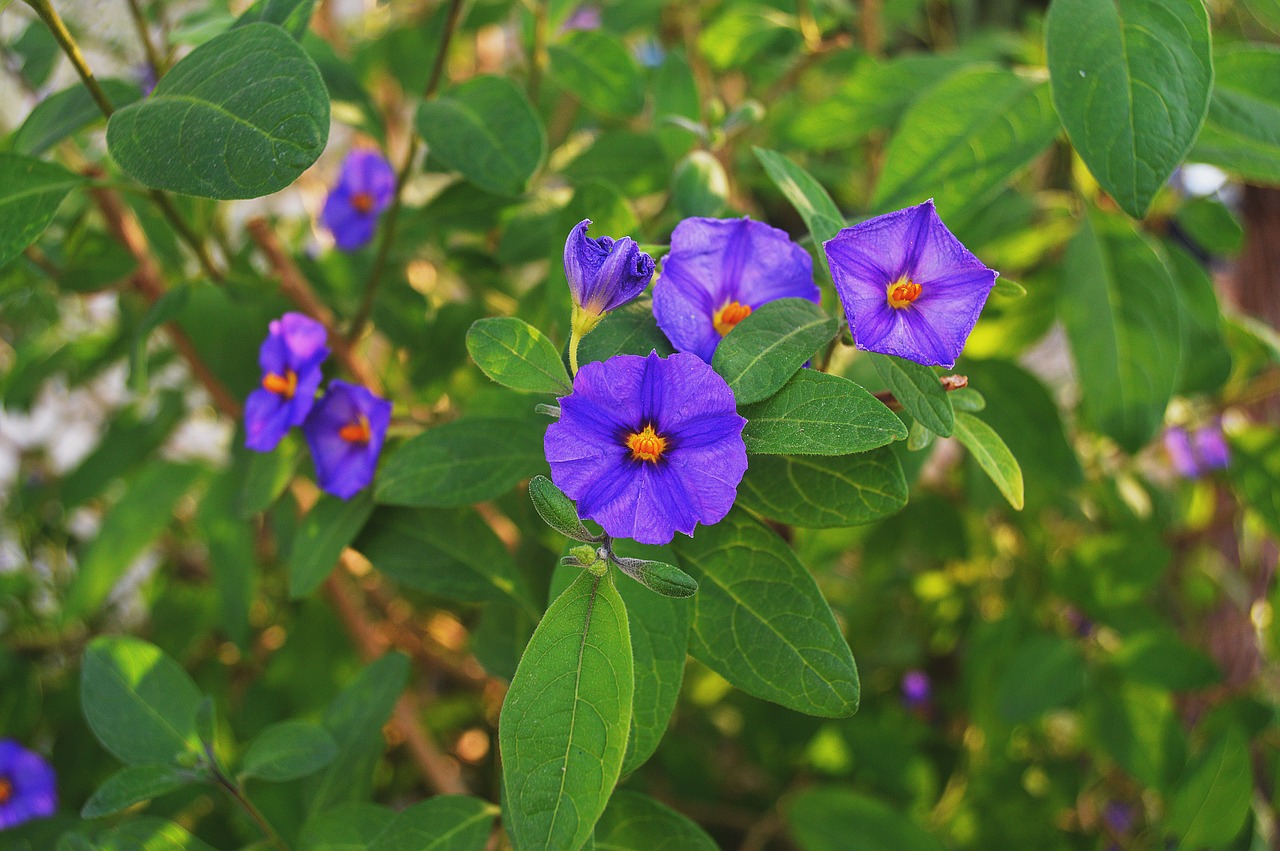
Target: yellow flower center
(902, 292)
(356, 432)
(646, 445)
(281, 385)
(362, 201)
(726, 318)
(6, 790)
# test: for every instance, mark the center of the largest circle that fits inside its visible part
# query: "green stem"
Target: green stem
(538, 51)
(237, 794)
(402, 177)
(140, 23)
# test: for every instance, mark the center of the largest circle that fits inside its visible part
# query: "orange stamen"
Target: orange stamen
(6, 790)
(902, 292)
(281, 385)
(646, 445)
(357, 432)
(726, 318)
(362, 201)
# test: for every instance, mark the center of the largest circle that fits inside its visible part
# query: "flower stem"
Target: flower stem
(574, 339)
(237, 794)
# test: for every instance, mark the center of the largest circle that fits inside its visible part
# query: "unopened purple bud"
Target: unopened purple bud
(604, 273)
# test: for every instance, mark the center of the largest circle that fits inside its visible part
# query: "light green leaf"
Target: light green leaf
(635, 822)
(240, 117)
(1110, 63)
(1205, 362)
(1137, 726)
(146, 833)
(918, 389)
(761, 623)
(139, 703)
(67, 113)
(822, 493)
(462, 462)
(820, 213)
(595, 67)
(1120, 310)
(1255, 471)
(700, 185)
(1242, 131)
(133, 784)
(288, 750)
(764, 350)
(819, 414)
(992, 455)
(964, 139)
(564, 724)
(330, 526)
(443, 823)
(515, 354)
(823, 819)
(30, 192)
(1213, 797)
(486, 129)
(557, 510)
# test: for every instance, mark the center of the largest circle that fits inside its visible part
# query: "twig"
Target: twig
(949, 383)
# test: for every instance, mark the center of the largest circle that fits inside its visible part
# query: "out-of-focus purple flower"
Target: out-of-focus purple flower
(1119, 816)
(1177, 443)
(916, 689)
(648, 446)
(146, 77)
(28, 787)
(908, 286)
(718, 272)
(1211, 448)
(585, 17)
(1194, 454)
(1081, 625)
(290, 358)
(364, 189)
(345, 432)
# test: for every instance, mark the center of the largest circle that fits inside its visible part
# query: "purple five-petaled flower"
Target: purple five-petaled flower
(345, 432)
(290, 358)
(366, 184)
(718, 272)
(1194, 454)
(648, 446)
(909, 288)
(28, 787)
(604, 273)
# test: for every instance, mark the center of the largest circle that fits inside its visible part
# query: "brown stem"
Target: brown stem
(949, 383)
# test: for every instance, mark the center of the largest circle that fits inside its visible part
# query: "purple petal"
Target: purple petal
(604, 274)
(303, 336)
(33, 793)
(1211, 447)
(1177, 443)
(345, 467)
(366, 170)
(267, 418)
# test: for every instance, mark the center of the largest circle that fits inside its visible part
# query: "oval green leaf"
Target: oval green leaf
(134, 784)
(287, 751)
(515, 354)
(69, 111)
(819, 414)
(1242, 131)
(919, 391)
(762, 353)
(992, 455)
(30, 192)
(596, 68)
(443, 823)
(329, 527)
(824, 493)
(635, 822)
(557, 510)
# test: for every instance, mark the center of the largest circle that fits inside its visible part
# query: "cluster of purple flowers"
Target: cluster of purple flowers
(1196, 453)
(345, 428)
(28, 788)
(651, 446)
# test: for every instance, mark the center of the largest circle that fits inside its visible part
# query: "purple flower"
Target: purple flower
(916, 689)
(718, 272)
(585, 17)
(648, 446)
(365, 187)
(28, 788)
(909, 288)
(1193, 455)
(345, 433)
(603, 274)
(290, 358)
(1118, 816)
(1211, 448)
(1177, 443)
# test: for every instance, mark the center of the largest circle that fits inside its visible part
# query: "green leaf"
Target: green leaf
(146, 833)
(992, 455)
(630, 330)
(596, 68)
(462, 463)
(964, 139)
(293, 16)
(355, 720)
(1047, 672)
(443, 823)
(1213, 797)
(918, 389)
(823, 493)
(564, 724)
(1255, 472)
(1242, 131)
(821, 215)
(823, 819)
(699, 185)
(450, 552)
(635, 822)
(1110, 63)
(166, 308)
(349, 827)
(515, 354)
(141, 515)
(761, 623)
(764, 350)
(241, 116)
(1158, 658)
(139, 703)
(1138, 727)
(659, 577)
(288, 750)
(133, 784)
(328, 529)
(557, 510)
(30, 192)
(66, 113)
(267, 474)
(1205, 363)
(486, 129)
(819, 414)
(1121, 315)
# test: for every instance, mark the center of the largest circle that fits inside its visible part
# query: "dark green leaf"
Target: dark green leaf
(635, 822)
(761, 623)
(1212, 802)
(595, 67)
(139, 703)
(350, 827)
(819, 414)
(820, 213)
(330, 526)
(149, 834)
(1242, 131)
(288, 750)
(764, 350)
(293, 15)
(1158, 658)
(821, 493)
(515, 354)
(659, 577)
(240, 117)
(919, 390)
(824, 819)
(486, 129)
(133, 784)
(67, 113)
(1205, 363)
(564, 725)
(1046, 673)
(443, 823)
(557, 510)
(992, 455)
(30, 192)
(267, 474)
(1138, 727)
(1110, 63)
(630, 330)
